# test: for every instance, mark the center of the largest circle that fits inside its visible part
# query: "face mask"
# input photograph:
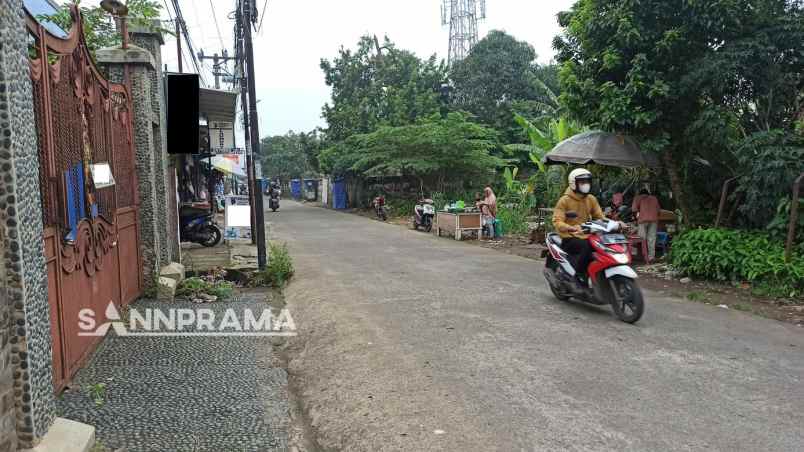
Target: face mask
(584, 188)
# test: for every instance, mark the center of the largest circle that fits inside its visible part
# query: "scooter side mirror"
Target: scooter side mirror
(571, 215)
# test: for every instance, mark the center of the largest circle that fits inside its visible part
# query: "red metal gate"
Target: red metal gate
(91, 234)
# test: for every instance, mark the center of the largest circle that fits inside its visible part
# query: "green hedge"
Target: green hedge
(732, 255)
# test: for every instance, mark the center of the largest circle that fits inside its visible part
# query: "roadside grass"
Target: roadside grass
(194, 286)
(704, 297)
(279, 269)
(700, 297)
(99, 447)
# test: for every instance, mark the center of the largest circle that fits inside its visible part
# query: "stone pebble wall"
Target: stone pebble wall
(168, 240)
(25, 303)
(142, 124)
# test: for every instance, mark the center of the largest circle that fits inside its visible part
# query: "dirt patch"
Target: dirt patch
(301, 437)
(741, 297)
(518, 245)
(399, 220)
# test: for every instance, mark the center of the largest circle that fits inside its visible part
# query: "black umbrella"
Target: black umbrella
(602, 148)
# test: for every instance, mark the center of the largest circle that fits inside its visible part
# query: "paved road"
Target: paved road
(409, 342)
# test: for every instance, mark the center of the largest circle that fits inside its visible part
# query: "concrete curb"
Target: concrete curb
(66, 436)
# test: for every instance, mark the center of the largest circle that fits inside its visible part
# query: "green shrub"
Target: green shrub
(192, 287)
(732, 255)
(513, 218)
(279, 269)
(400, 207)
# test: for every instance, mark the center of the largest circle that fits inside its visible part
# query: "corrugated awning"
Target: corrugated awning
(218, 105)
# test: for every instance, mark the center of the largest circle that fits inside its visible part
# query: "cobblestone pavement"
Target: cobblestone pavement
(185, 393)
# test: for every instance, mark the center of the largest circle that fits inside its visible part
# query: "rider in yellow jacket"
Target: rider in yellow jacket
(577, 206)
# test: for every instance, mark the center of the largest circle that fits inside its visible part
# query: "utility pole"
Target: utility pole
(178, 43)
(241, 74)
(217, 62)
(254, 134)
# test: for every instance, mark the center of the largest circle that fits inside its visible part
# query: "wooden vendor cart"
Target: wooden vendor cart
(457, 222)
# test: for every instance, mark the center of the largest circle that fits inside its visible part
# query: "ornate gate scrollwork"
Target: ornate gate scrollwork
(93, 241)
(91, 234)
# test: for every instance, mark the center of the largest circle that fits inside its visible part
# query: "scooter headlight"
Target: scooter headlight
(621, 258)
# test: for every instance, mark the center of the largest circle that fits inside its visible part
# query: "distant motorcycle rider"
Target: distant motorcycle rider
(273, 187)
(577, 206)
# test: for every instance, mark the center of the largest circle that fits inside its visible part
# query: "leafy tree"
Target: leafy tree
(311, 144)
(99, 28)
(498, 74)
(286, 156)
(436, 151)
(374, 86)
(776, 160)
(669, 70)
(546, 106)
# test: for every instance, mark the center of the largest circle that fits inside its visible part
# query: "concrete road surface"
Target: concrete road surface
(409, 342)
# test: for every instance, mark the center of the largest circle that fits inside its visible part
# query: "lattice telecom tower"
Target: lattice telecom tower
(462, 17)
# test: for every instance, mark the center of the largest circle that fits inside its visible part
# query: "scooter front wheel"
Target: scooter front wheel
(626, 299)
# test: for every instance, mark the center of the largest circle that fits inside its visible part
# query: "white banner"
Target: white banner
(221, 135)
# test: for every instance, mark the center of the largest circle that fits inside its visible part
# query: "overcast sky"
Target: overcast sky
(296, 34)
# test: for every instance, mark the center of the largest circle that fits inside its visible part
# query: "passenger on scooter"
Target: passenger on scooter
(577, 206)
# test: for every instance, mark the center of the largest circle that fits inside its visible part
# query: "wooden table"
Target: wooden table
(456, 223)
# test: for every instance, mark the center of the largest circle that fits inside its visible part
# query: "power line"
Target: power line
(167, 10)
(262, 15)
(190, 47)
(198, 19)
(215, 18)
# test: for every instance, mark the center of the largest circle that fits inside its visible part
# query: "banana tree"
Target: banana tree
(541, 142)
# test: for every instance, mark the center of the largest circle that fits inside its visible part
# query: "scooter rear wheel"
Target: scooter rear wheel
(552, 265)
(626, 299)
(557, 294)
(213, 236)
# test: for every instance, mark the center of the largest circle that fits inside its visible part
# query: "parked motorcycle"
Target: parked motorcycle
(379, 208)
(198, 226)
(423, 215)
(611, 280)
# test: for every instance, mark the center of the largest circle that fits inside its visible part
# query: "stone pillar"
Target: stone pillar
(152, 41)
(25, 341)
(147, 136)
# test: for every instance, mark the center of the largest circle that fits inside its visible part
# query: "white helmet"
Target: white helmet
(578, 174)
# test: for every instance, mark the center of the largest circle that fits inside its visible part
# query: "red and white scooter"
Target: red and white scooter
(611, 278)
